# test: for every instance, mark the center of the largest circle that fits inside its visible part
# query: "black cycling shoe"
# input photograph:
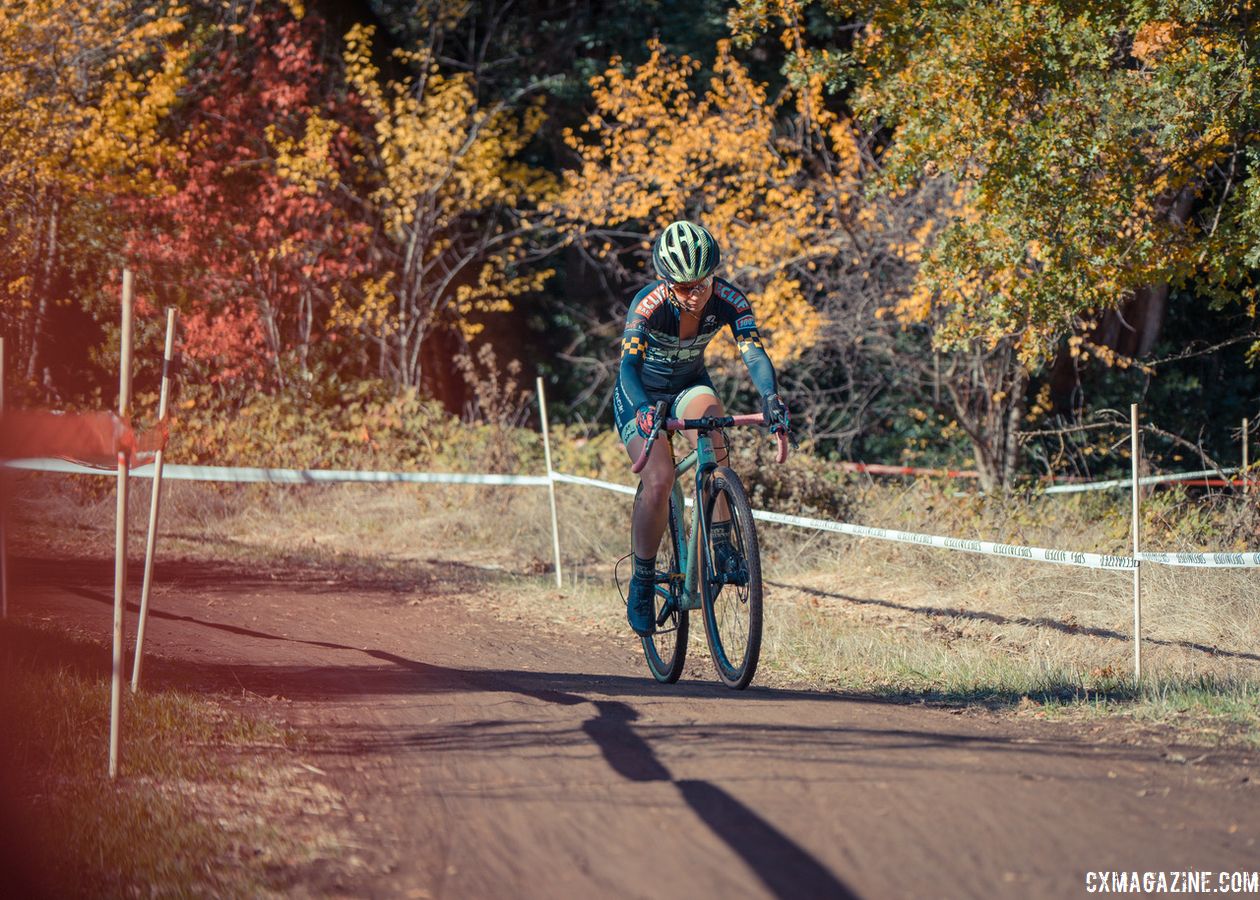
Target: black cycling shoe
(640, 600)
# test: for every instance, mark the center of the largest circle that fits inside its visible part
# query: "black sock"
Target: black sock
(721, 532)
(645, 568)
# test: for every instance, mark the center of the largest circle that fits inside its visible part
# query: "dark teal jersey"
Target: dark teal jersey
(657, 363)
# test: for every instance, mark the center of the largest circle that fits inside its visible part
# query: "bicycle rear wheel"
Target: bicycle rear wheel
(666, 649)
(732, 600)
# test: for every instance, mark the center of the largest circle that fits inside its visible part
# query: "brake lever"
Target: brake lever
(658, 417)
(658, 422)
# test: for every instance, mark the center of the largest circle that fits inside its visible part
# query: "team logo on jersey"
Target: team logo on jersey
(674, 356)
(709, 320)
(745, 322)
(733, 297)
(650, 303)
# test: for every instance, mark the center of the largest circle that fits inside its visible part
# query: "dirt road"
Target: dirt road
(476, 757)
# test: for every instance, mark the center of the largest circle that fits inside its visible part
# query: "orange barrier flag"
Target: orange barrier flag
(94, 438)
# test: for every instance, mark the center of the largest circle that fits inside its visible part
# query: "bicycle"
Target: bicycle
(730, 600)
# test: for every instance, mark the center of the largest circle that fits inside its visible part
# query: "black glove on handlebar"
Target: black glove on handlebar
(776, 413)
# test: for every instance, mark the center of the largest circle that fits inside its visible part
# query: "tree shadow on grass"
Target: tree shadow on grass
(953, 612)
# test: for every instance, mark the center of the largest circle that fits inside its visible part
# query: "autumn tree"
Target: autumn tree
(1104, 149)
(449, 203)
(655, 150)
(84, 88)
(255, 235)
(1101, 155)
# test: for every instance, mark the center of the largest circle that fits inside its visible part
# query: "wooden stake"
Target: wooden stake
(120, 533)
(1246, 460)
(1137, 569)
(4, 511)
(551, 484)
(155, 501)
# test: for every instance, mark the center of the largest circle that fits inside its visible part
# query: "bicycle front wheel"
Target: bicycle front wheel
(731, 596)
(666, 650)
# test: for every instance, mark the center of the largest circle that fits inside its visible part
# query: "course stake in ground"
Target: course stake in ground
(1134, 456)
(1246, 462)
(551, 482)
(4, 505)
(155, 499)
(120, 532)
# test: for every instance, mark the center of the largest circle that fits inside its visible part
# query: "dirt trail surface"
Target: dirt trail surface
(478, 757)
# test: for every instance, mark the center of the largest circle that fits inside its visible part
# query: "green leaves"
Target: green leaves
(1084, 137)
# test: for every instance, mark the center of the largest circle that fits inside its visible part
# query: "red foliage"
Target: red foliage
(251, 258)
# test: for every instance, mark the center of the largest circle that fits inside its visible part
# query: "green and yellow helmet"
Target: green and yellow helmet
(685, 252)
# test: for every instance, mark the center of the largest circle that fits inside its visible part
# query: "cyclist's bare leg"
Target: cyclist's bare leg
(707, 404)
(651, 512)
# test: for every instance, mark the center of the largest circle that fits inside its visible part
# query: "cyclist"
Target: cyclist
(670, 323)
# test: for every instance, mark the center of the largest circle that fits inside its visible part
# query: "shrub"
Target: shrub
(804, 486)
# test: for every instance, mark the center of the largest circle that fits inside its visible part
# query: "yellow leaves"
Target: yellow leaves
(917, 307)
(439, 15)
(1041, 405)
(445, 168)
(305, 162)
(1081, 347)
(121, 137)
(372, 311)
(653, 150)
(85, 87)
(1153, 40)
(492, 293)
(437, 150)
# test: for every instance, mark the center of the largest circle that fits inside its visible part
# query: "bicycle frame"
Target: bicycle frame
(703, 460)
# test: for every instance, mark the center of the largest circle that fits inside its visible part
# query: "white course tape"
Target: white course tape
(987, 548)
(1204, 560)
(1062, 557)
(605, 485)
(592, 482)
(279, 476)
(1127, 482)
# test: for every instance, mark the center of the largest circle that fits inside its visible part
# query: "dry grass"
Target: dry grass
(191, 813)
(855, 615)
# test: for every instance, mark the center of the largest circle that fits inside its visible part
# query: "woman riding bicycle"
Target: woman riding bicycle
(668, 327)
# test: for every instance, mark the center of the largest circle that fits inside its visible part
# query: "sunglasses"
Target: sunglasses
(692, 287)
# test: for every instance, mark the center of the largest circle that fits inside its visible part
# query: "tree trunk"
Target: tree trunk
(986, 390)
(45, 260)
(306, 315)
(1132, 329)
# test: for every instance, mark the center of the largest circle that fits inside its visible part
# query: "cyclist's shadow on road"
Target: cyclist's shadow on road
(785, 868)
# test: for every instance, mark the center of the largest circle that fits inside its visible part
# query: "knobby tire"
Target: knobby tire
(732, 612)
